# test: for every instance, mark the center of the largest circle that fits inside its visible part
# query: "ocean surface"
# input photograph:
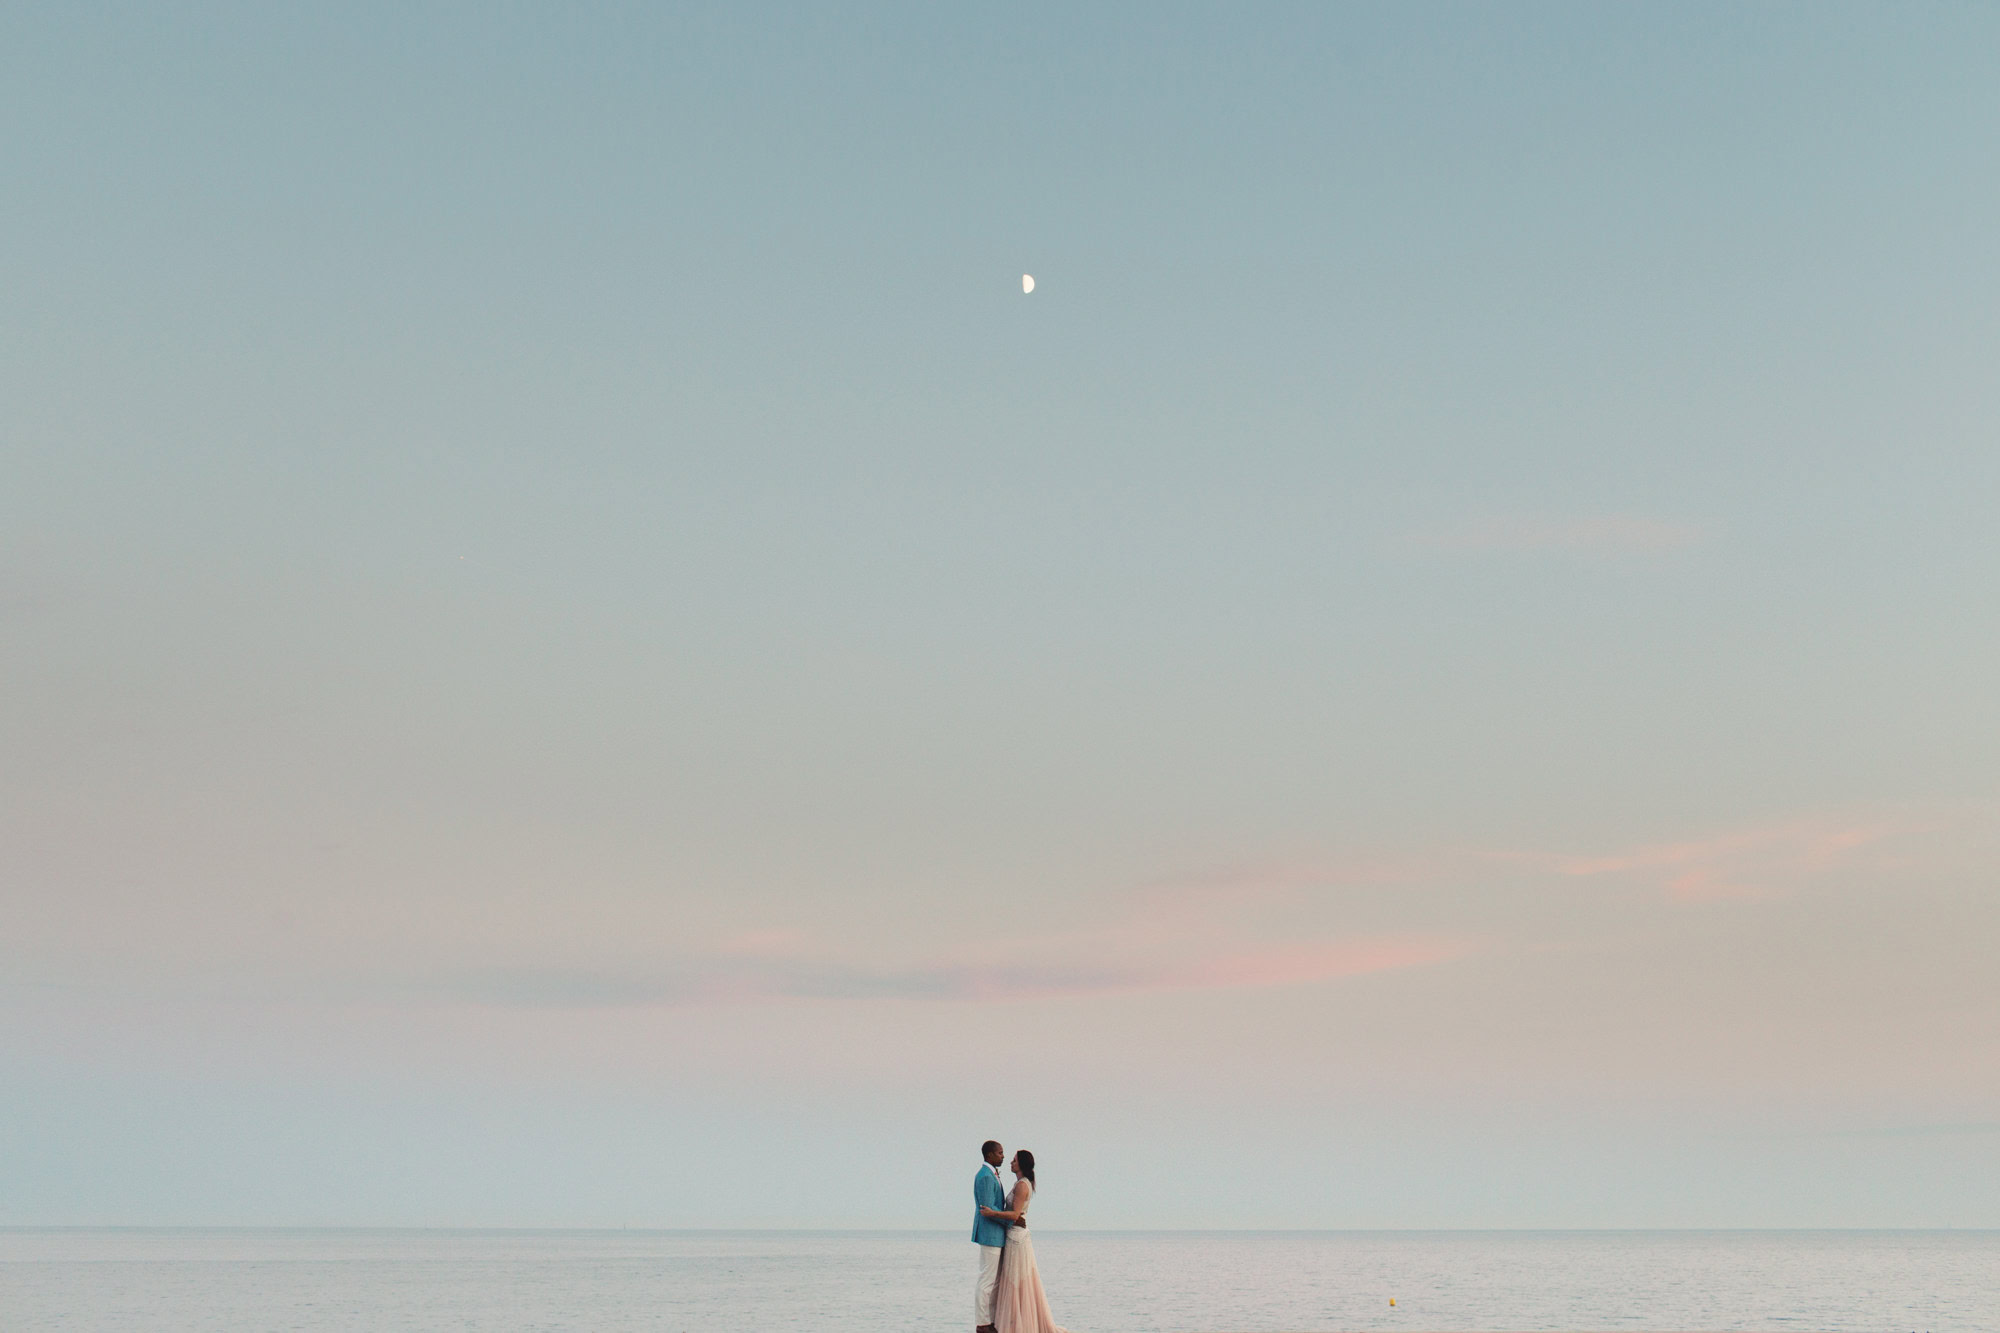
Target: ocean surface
(165, 1281)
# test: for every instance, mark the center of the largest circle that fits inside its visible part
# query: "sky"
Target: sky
(576, 652)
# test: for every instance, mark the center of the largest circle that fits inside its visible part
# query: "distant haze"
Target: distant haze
(575, 653)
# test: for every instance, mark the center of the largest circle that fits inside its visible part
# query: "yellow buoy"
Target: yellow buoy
(1392, 1300)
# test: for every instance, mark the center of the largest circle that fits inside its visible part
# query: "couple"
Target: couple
(1009, 1296)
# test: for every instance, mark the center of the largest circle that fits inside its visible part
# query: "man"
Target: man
(988, 1235)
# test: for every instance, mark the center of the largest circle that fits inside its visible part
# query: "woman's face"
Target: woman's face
(1014, 1165)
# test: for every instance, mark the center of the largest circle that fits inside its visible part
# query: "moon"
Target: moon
(1027, 283)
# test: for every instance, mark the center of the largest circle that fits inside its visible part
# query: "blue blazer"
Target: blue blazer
(986, 1190)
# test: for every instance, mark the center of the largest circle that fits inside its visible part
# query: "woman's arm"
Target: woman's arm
(1012, 1213)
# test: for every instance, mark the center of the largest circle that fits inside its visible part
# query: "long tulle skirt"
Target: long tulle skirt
(1019, 1304)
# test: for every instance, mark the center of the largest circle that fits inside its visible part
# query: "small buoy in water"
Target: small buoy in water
(1392, 1300)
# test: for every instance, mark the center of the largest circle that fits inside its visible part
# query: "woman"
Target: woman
(1019, 1305)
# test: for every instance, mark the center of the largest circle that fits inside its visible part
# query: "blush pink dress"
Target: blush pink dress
(1019, 1304)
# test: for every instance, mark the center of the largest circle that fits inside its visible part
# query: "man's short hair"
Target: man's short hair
(987, 1148)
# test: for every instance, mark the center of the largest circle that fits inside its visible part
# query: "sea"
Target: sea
(309, 1281)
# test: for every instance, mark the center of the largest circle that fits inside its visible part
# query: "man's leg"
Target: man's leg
(982, 1294)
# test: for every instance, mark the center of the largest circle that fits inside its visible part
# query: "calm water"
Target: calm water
(902, 1282)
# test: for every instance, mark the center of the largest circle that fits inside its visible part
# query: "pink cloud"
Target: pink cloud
(1757, 861)
(1261, 926)
(1747, 863)
(718, 980)
(1324, 961)
(1222, 933)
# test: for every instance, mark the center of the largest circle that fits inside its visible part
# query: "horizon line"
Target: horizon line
(18, 1227)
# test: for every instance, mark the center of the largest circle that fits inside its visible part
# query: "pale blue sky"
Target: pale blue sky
(576, 651)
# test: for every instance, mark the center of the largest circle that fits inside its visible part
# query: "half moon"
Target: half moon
(1027, 284)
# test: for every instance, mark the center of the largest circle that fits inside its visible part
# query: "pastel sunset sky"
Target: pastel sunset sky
(577, 651)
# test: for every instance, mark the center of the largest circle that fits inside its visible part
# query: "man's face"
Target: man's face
(995, 1156)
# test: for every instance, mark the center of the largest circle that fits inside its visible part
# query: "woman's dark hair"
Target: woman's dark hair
(1026, 1161)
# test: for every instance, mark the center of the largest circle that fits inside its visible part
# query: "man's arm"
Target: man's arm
(1011, 1216)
